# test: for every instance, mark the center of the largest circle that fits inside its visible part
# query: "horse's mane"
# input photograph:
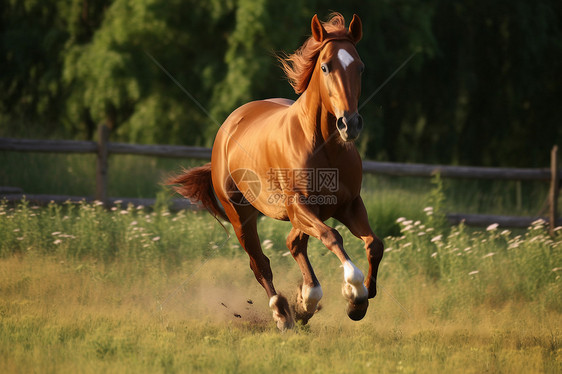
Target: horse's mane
(298, 67)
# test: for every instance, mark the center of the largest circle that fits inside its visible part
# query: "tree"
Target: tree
(482, 89)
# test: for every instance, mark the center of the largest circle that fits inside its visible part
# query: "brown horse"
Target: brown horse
(297, 161)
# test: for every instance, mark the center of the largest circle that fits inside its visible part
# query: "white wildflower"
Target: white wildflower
(156, 238)
(401, 219)
(538, 222)
(474, 272)
(407, 228)
(57, 242)
(436, 238)
(513, 245)
(489, 255)
(267, 244)
(434, 254)
(492, 227)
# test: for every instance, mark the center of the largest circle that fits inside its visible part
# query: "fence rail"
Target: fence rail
(103, 148)
(469, 172)
(43, 200)
(76, 146)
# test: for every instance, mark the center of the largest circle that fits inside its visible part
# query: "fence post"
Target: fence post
(554, 189)
(101, 168)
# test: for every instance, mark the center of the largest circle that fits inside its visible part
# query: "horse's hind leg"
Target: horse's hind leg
(244, 221)
(310, 291)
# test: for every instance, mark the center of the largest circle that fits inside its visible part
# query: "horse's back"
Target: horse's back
(254, 116)
(281, 101)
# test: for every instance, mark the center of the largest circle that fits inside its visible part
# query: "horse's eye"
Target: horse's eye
(324, 68)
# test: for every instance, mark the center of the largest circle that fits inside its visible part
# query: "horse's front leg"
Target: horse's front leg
(354, 216)
(305, 218)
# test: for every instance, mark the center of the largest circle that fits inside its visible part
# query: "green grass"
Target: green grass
(83, 289)
(70, 174)
(387, 198)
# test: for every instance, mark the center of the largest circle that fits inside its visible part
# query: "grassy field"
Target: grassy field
(87, 290)
(387, 198)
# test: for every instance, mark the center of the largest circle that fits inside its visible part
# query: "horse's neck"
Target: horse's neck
(318, 125)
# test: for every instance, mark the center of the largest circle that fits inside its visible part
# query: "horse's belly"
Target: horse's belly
(271, 209)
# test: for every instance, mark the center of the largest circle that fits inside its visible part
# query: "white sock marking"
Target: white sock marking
(345, 58)
(354, 287)
(311, 296)
(352, 274)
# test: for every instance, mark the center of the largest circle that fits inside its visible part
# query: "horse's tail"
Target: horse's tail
(196, 185)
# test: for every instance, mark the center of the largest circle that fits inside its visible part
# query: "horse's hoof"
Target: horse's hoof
(300, 313)
(357, 311)
(285, 325)
(281, 313)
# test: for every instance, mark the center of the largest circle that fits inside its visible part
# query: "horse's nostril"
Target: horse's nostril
(341, 124)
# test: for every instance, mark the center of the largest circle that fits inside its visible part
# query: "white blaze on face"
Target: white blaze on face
(345, 58)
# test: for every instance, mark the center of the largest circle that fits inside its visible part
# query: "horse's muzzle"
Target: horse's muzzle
(350, 127)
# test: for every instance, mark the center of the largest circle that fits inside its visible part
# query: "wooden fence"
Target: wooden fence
(103, 148)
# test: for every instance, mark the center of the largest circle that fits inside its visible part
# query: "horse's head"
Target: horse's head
(338, 71)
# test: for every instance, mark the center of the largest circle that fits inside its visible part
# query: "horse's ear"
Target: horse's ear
(356, 29)
(318, 31)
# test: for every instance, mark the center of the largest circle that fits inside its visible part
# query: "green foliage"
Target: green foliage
(481, 267)
(436, 210)
(484, 76)
(89, 231)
